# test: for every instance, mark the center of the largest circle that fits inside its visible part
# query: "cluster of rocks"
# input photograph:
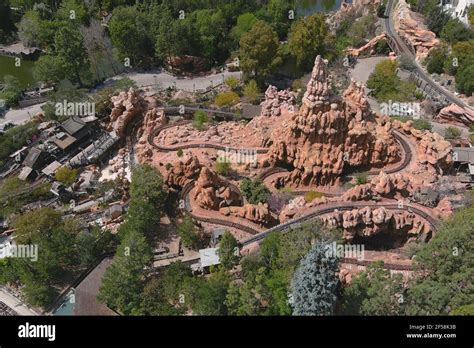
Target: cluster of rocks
(455, 114)
(329, 133)
(410, 26)
(277, 101)
(211, 192)
(383, 185)
(153, 119)
(117, 164)
(126, 106)
(367, 222)
(357, 8)
(258, 213)
(183, 170)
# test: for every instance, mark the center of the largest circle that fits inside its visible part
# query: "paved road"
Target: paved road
(164, 80)
(14, 303)
(20, 116)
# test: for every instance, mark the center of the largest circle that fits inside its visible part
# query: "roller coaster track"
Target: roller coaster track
(401, 47)
(183, 109)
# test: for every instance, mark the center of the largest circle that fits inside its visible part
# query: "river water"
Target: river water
(308, 7)
(24, 72)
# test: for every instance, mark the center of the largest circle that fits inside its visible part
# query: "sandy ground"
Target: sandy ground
(20, 116)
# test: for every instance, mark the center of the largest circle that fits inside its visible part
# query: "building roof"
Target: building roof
(32, 157)
(25, 173)
(51, 168)
(209, 257)
(464, 154)
(86, 292)
(63, 140)
(73, 125)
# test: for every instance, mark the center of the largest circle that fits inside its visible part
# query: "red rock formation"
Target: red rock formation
(380, 186)
(328, 134)
(369, 47)
(127, 105)
(455, 114)
(410, 26)
(257, 213)
(212, 192)
(366, 222)
(183, 170)
(277, 101)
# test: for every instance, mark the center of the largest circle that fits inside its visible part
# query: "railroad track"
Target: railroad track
(401, 47)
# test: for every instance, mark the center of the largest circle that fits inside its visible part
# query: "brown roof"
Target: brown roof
(86, 293)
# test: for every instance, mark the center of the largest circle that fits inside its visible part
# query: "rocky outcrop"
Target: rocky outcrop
(367, 222)
(277, 101)
(357, 8)
(455, 114)
(368, 48)
(183, 170)
(409, 25)
(329, 133)
(126, 106)
(383, 185)
(257, 213)
(211, 192)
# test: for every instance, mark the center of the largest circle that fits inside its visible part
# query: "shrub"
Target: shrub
(179, 153)
(406, 62)
(362, 178)
(251, 91)
(232, 82)
(226, 99)
(312, 195)
(200, 118)
(254, 191)
(452, 133)
(66, 175)
(223, 166)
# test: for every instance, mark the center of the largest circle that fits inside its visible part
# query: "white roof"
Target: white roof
(209, 257)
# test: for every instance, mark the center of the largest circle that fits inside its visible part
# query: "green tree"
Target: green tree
(232, 82)
(254, 191)
(258, 52)
(48, 69)
(307, 39)
(465, 79)
(277, 14)
(226, 99)
(223, 166)
(12, 90)
(228, 250)
(124, 281)
(436, 59)
(7, 26)
(70, 49)
(128, 32)
(251, 91)
(315, 283)
(29, 29)
(245, 22)
(188, 233)
(73, 10)
(454, 31)
(200, 119)
(147, 185)
(374, 292)
(66, 175)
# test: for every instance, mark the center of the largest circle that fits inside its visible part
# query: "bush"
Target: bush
(66, 175)
(382, 47)
(465, 80)
(200, 118)
(436, 60)
(254, 191)
(422, 124)
(12, 90)
(226, 99)
(452, 133)
(223, 166)
(179, 153)
(362, 178)
(251, 92)
(312, 195)
(232, 82)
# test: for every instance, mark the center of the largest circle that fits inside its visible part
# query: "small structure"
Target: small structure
(86, 292)
(75, 127)
(463, 158)
(427, 196)
(34, 159)
(63, 140)
(216, 235)
(51, 169)
(113, 212)
(209, 257)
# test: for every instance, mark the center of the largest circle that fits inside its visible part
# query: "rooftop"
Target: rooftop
(73, 125)
(209, 257)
